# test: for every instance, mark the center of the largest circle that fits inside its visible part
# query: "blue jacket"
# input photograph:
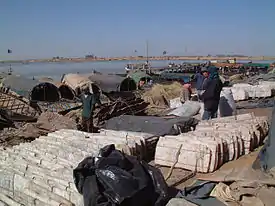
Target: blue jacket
(199, 81)
(88, 104)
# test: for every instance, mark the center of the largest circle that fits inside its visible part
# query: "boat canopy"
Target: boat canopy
(139, 76)
(32, 89)
(256, 65)
(113, 83)
(19, 84)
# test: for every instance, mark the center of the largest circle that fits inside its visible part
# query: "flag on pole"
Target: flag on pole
(9, 51)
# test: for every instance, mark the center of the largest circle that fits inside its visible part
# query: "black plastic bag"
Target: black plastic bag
(160, 185)
(119, 179)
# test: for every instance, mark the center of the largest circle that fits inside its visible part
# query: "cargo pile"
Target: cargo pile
(40, 172)
(42, 169)
(213, 143)
(246, 91)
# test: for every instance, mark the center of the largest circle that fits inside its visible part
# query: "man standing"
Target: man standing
(88, 102)
(201, 80)
(211, 95)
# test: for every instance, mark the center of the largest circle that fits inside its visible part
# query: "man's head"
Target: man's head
(213, 73)
(86, 90)
(204, 72)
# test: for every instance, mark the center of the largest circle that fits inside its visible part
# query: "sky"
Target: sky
(69, 28)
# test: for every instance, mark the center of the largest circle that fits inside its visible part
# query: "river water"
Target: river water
(56, 69)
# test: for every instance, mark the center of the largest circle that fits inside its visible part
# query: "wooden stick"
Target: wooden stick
(176, 161)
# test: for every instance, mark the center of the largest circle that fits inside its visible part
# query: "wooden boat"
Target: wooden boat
(236, 65)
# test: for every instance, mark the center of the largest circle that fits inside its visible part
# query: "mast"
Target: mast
(147, 50)
(10, 69)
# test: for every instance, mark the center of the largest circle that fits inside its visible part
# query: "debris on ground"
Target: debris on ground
(47, 122)
(118, 108)
(51, 122)
(113, 109)
(59, 107)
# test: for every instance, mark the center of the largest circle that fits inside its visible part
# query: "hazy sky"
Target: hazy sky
(47, 28)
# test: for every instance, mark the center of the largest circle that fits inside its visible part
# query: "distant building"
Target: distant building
(232, 61)
(90, 56)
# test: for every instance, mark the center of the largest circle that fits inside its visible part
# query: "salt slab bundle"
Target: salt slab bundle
(213, 143)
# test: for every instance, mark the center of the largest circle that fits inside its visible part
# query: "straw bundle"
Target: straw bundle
(160, 94)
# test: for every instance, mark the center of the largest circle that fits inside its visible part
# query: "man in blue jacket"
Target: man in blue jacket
(201, 79)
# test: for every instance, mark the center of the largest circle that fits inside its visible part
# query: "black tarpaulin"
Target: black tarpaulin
(153, 125)
(114, 178)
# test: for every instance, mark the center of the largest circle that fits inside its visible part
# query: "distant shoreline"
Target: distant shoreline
(153, 58)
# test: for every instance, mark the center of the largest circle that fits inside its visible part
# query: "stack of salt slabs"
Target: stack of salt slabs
(255, 91)
(213, 143)
(239, 93)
